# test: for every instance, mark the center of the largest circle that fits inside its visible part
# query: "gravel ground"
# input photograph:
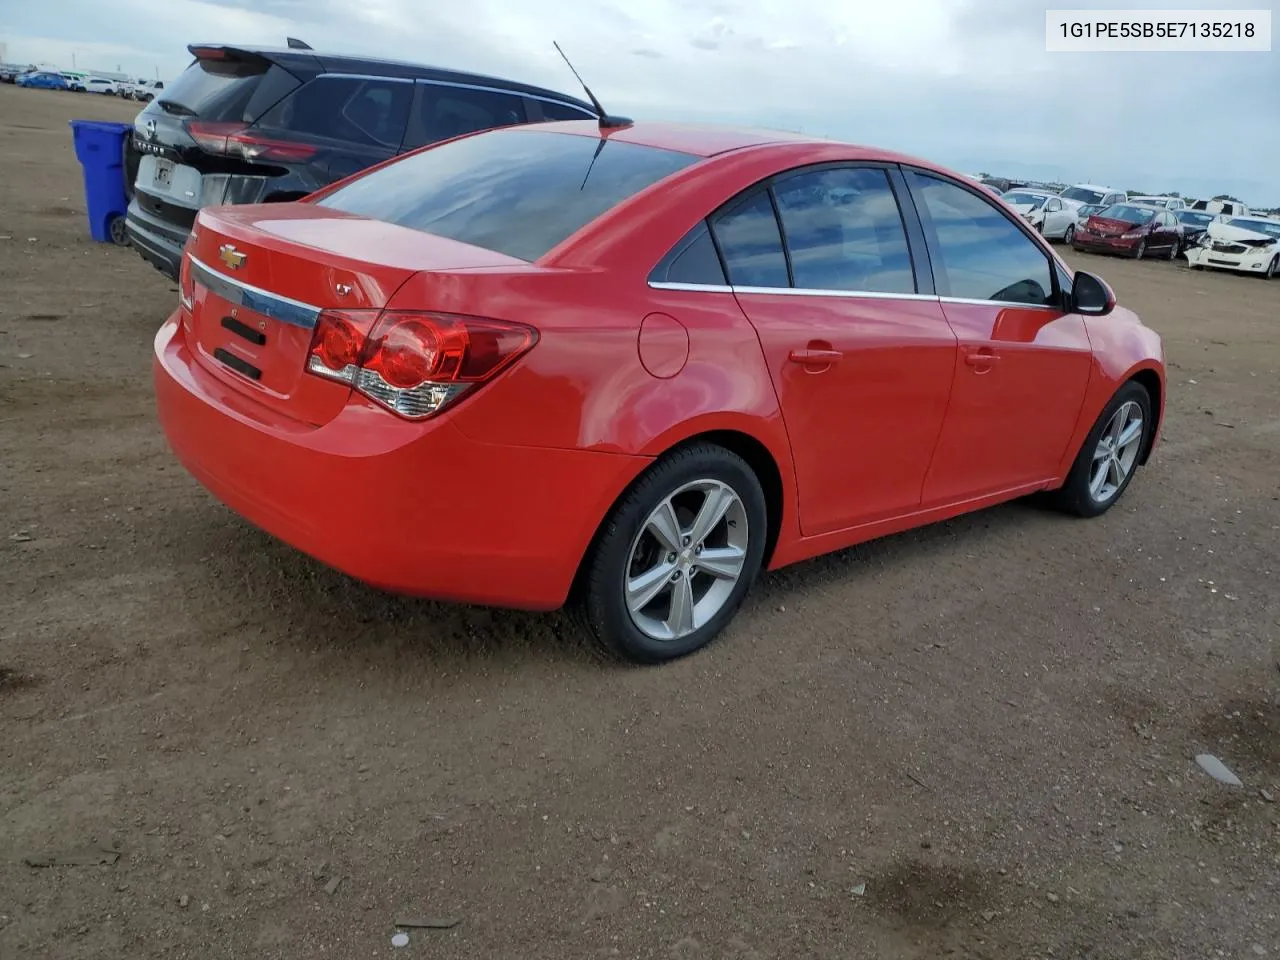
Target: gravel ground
(975, 740)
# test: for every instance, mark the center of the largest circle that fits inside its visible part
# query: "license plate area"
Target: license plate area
(163, 175)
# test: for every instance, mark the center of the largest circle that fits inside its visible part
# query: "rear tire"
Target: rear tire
(1097, 478)
(633, 557)
(1069, 235)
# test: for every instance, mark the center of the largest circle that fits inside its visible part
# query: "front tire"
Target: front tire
(1141, 251)
(1110, 455)
(1273, 267)
(675, 558)
(1069, 235)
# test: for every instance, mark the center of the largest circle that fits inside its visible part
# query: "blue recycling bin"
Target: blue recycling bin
(100, 150)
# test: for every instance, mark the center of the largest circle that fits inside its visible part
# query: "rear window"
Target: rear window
(519, 193)
(227, 91)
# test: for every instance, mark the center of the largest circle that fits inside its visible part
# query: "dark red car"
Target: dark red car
(1131, 229)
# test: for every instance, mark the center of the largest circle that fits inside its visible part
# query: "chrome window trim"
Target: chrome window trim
(858, 294)
(510, 93)
(690, 287)
(1000, 303)
(285, 309)
(817, 292)
(362, 76)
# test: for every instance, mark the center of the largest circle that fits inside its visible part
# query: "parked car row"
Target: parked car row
(1097, 219)
(143, 90)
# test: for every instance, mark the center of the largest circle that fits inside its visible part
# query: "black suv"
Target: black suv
(250, 125)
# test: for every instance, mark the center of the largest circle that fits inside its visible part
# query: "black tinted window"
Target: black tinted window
(214, 90)
(981, 254)
(446, 112)
(368, 112)
(563, 111)
(519, 192)
(748, 236)
(844, 231)
(692, 260)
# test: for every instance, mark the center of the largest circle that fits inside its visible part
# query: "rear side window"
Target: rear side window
(518, 192)
(844, 231)
(368, 112)
(747, 233)
(692, 260)
(445, 112)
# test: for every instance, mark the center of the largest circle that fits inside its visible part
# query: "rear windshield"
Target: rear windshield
(224, 91)
(519, 193)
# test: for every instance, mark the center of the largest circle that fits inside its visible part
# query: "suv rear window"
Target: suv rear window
(518, 192)
(227, 90)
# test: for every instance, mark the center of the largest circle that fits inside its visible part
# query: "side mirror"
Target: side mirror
(1091, 296)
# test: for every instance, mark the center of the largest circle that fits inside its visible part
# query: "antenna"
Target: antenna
(296, 44)
(606, 121)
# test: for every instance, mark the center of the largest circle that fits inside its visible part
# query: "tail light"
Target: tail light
(236, 140)
(186, 285)
(413, 363)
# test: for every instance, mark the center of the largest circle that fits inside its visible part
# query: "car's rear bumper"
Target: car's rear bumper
(415, 508)
(160, 243)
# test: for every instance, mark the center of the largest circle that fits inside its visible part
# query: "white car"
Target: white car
(99, 85)
(1085, 194)
(1164, 203)
(1245, 244)
(1045, 211)
(1231, 208)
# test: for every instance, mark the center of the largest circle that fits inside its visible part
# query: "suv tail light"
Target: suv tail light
(414, 363)
(186, 285)
(236, 140)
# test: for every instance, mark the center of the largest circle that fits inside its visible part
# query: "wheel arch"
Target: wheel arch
(757, 455)
(1150, 381)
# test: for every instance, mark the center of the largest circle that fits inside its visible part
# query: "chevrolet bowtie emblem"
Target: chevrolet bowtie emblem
(232, 257)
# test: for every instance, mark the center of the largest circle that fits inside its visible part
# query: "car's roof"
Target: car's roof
(707, 140)
(311, 60)
(1092, 186)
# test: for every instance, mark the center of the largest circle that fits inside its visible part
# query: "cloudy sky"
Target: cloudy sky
(963, 82)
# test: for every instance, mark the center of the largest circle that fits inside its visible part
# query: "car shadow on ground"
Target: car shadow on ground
(293, 599)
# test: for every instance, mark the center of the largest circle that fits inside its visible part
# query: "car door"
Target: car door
(1168, 230)
(1056, 217)
(1023, 363)
(860, 354)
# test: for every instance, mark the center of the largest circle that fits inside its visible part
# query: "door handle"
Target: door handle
(813, 356)
(979, 359)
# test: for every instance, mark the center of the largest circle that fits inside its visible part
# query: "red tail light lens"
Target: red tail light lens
(235, 140)
(414, 364)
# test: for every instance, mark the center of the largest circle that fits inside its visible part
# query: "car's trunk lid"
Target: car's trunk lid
(261, 274)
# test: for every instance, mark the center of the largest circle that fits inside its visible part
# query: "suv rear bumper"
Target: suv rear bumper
(159, 243)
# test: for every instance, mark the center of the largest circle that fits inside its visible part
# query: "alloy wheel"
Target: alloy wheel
(1116, 452)
(686, 560)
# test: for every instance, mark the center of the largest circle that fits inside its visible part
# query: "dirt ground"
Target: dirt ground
(975, 740)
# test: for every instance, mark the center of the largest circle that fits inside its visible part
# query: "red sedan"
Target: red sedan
(1130, 229)
(631, 367)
